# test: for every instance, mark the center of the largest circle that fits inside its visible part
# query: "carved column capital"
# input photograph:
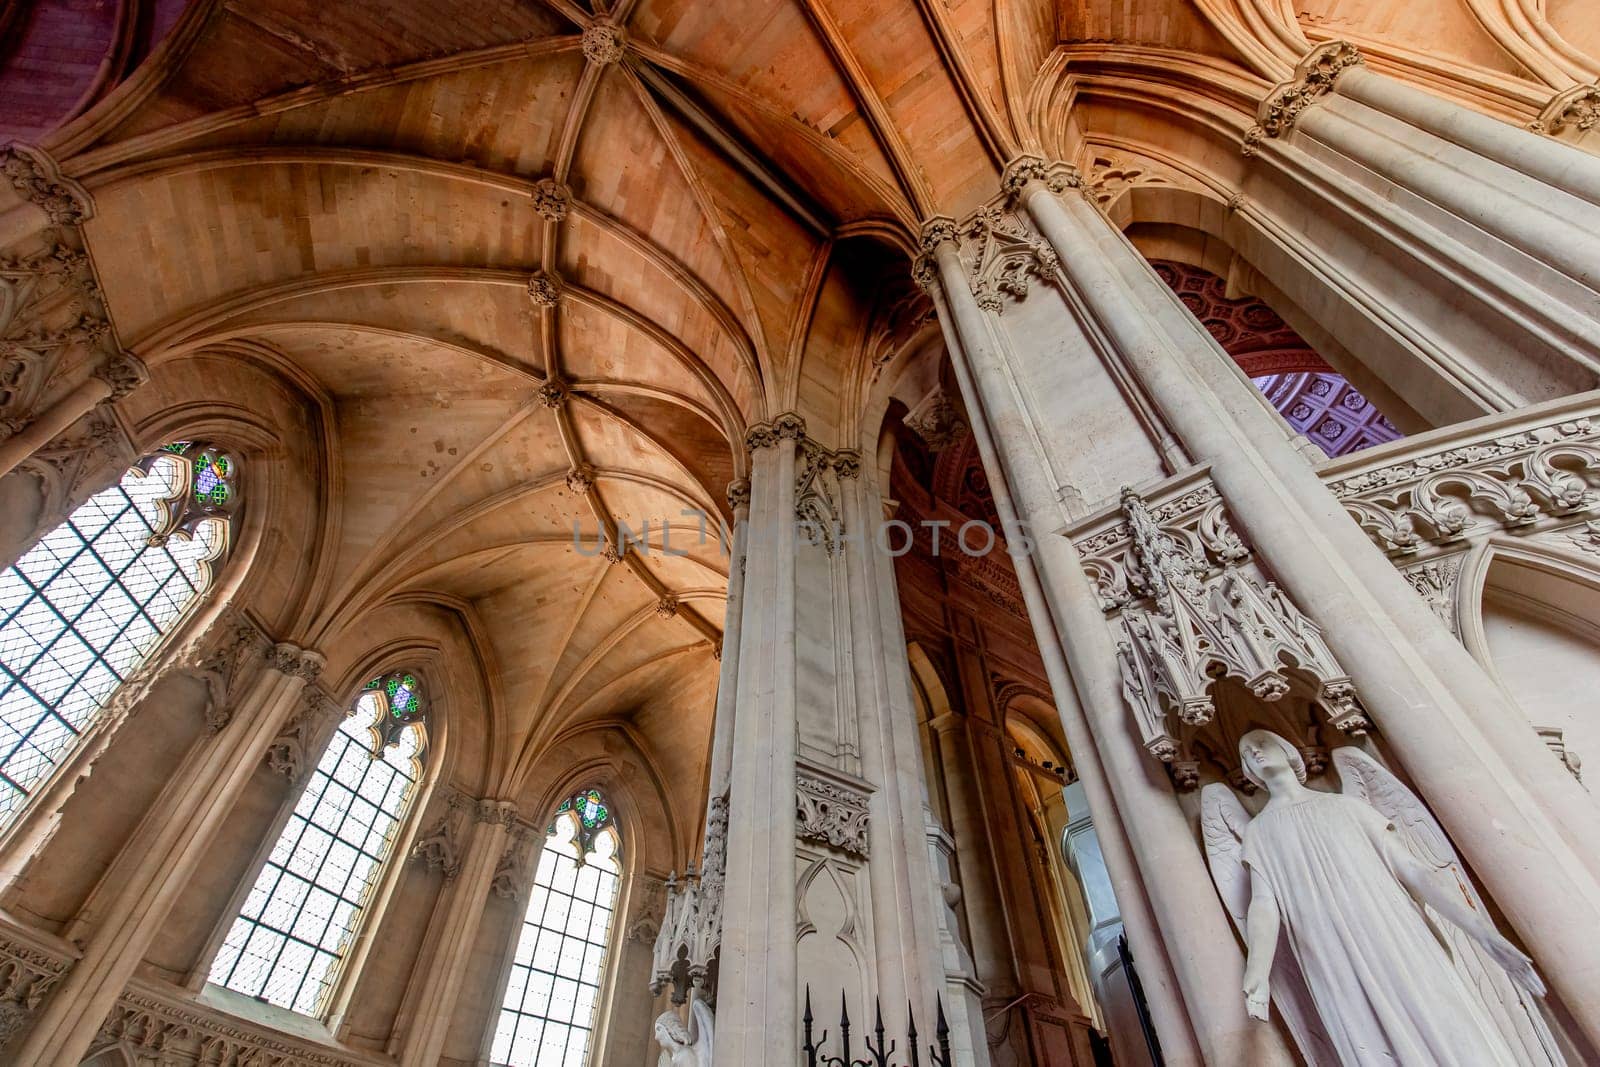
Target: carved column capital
(123, 372)
(496, 812)
(551, 199)
(738, 494)
(1314, 78)
(786, 427)
(604, 42)
(938, 230)
(544, 287)
(1055, 176)
(39, 181)
(296, 662)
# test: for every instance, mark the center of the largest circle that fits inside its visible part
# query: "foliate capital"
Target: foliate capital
(739, 494)
(604, 42)
(1057, 177)
(1577, 107)
(1313, 79)
(544, 288)
(788, 426)
(937, 231)
(296, 662)
(39, 181)
(124, 372)
(551, 199)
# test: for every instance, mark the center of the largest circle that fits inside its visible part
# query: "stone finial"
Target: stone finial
(604, 42)
(551, 199)
(544, 288)
(124, 372)
(39, 181)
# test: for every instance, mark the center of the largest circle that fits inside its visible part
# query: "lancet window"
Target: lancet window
(294, 930)
(547, 1015)
(84, 608)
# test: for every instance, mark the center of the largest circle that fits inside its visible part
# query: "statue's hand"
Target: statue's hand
(1257, 993)
(1518, 967)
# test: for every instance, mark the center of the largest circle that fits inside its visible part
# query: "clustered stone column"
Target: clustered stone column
(195, 806)
(452, 939)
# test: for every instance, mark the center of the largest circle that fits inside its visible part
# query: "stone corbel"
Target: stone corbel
(440, 848)
(39, 181)
(221, 659)
(1314, 78)
(1576, 108)
(289, 754)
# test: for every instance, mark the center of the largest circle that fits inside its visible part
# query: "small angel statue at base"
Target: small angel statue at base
(1367, 935)
(679, 1046)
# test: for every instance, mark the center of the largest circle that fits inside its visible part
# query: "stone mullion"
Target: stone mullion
(1482, 770)
(1158, 854)
(442, 971)
(196, 803)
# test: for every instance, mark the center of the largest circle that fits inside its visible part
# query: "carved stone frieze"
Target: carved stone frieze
(174, 1031)
(37, 179)
(1314, 78)
(1531, 480)
(27, 975)
(831, 813)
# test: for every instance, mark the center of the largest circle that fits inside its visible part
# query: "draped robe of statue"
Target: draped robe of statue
(1382, 982)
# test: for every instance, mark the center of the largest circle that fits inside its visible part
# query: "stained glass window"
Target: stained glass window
(547, 1015)
(297, 924)
(84, 607)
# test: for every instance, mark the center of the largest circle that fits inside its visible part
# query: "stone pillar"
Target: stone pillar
(758, 973)
(732, 628)
(1479, 230)
(456, 934)
(113, 380)
(827, 877)
(986, 923)
(1530, 834)
(1194, 933)
(195, 806)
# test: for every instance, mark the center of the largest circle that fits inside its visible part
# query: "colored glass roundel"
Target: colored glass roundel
(589, 810)
(400, 695)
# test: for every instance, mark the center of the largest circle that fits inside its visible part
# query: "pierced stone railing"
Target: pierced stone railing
(1524, 473)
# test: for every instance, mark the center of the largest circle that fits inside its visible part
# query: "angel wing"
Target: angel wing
(1514, 1012)
(703, 1025)
(1222, 823)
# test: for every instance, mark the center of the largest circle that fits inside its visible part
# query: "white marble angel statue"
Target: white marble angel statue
(685, 1046)
(1361, 925)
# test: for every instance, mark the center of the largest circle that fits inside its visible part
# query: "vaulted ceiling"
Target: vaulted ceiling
(540, 263)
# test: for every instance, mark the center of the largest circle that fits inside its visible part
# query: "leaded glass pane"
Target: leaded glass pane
(548, 1012)
(297, 923)
(81, 611)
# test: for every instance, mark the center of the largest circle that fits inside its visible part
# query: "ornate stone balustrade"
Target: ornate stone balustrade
(1525, 473)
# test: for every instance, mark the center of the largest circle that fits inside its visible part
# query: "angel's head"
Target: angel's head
(670, 1030)
(1263, 755)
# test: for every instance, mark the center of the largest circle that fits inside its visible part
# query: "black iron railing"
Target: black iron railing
(816, 1054)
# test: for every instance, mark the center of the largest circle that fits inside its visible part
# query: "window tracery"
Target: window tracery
(84, 608)
(294, 930)
(547, 1014)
